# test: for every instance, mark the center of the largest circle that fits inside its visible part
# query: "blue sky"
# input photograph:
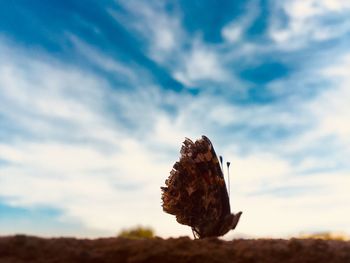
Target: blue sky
(97, 96)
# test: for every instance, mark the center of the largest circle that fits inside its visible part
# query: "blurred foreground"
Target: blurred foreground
(23, 248)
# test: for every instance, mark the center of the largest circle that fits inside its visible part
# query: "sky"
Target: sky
(96, 98)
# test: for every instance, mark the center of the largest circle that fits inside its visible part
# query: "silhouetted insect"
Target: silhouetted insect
(196, 192)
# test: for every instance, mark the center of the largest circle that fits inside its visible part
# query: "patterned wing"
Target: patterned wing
(195, 191)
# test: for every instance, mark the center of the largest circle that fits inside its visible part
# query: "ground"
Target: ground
(21, 248)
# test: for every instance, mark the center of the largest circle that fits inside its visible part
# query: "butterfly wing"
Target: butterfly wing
(195, 191)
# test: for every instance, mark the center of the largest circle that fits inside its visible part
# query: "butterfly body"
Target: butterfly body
(196, 192)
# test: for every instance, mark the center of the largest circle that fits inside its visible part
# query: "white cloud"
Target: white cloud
(70, 171)
(161, 30)
(167, 43)
(305, 9)
(308, 21)
(234, 31)
(201, 64)
(319, 208)
(332, 106)
(103, 61)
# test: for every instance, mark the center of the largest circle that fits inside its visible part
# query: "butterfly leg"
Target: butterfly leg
(195, 233)
(194, 236)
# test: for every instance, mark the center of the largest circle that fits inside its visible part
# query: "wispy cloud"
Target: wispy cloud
(332, 109)
(161, 31)
(309, 21)
(74, 151)
(187, 57)
(235, 31)
(102, 61)
(200, 65)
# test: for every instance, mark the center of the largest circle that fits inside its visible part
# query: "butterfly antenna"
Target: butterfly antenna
(221, 160)
(228, 178)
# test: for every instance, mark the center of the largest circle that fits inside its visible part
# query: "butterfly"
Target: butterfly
(196, 192)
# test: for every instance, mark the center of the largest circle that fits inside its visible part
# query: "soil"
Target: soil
(21, 248)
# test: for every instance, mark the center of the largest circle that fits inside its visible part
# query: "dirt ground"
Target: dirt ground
(23, 248)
